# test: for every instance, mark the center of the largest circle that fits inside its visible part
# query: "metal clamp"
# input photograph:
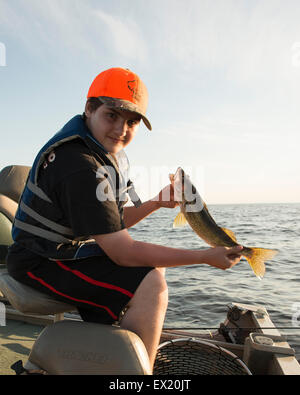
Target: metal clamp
(262, 342)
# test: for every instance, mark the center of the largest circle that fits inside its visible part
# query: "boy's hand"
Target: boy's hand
(223, 257)
(165, 198)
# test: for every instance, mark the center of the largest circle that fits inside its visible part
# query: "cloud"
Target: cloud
(240, 40)
(126, 36)
(76, 26)
(245, 40)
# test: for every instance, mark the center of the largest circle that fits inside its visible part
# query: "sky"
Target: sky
(223, 78)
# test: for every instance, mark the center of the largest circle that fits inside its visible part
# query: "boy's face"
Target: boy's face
(113, 128)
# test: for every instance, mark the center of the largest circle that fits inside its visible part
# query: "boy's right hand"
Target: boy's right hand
(223, 257)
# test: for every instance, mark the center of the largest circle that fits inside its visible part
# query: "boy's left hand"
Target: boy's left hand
(165, 198)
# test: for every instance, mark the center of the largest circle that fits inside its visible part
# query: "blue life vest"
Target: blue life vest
(42, 235)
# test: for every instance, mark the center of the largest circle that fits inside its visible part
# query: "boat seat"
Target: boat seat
(21, 297)
(12, 182)
(75, 347)
(81, 348)
(29, 301)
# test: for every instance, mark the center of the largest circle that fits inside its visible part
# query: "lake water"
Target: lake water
(198, 294)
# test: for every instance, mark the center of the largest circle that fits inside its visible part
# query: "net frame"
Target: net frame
(197, 357)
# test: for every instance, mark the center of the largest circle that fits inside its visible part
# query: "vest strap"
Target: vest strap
(45, 234)
(37, 191)
(45, 221)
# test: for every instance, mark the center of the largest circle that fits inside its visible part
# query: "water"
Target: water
(198, 294)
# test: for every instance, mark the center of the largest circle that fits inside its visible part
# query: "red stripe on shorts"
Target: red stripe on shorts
(41, 281)
(95, 282)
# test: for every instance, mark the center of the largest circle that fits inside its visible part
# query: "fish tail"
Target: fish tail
(257, 257)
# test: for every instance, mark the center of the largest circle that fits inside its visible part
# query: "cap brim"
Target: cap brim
(124, 105)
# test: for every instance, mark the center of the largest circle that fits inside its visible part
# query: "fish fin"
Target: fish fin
(179, 220)
(230, 233)
(257, 258)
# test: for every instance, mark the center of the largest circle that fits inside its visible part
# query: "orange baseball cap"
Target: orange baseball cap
(123, 89)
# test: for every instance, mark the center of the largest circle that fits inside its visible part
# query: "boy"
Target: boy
(70, 230)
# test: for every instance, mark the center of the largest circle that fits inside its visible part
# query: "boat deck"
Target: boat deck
(16, 341)
(21, 331)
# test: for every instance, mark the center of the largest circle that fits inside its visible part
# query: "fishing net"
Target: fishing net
(196, 357)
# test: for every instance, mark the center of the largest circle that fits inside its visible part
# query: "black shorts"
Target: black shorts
(96, 286)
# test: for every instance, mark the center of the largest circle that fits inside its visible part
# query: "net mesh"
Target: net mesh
(196, 357)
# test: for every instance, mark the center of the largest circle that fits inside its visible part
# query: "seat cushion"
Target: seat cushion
(12, 181)
(5, 230)
(8, 207)
(86, 348)
(28, 300)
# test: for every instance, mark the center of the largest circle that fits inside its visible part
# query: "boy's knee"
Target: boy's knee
(153, 289)
(158, 279)
(160, 289)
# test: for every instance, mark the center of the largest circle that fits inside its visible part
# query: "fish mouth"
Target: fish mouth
(185, 192)
(182, 187)
(177, 181)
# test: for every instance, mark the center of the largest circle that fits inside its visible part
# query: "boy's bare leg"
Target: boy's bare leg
(146, 313)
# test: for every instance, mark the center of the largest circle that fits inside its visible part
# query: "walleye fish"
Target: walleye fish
(195, 213)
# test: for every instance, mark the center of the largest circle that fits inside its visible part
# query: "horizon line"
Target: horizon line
(255, 203)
